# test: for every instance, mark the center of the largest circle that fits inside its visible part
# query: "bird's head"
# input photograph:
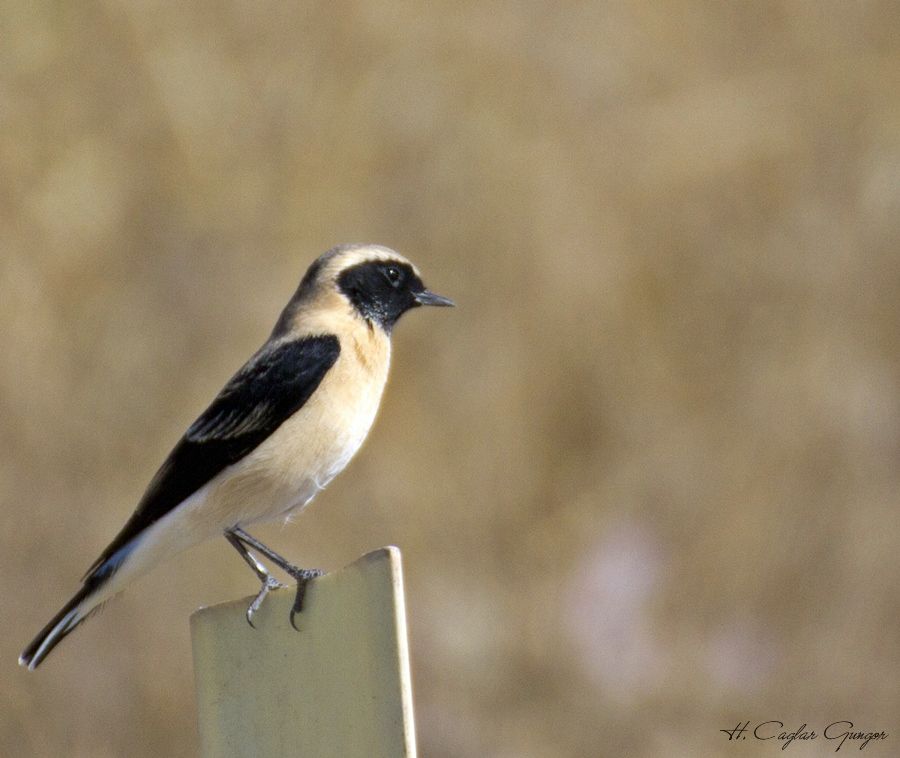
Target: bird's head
(379, 284)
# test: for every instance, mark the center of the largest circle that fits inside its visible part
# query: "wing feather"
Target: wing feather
(271, 387)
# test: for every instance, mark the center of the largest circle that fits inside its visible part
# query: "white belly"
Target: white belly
(288, 470)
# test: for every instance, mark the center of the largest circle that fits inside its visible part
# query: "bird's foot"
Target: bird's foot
(269, 583)
(240, 540)
(302, 577)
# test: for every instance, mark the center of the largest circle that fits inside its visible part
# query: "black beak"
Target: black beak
(429, 298)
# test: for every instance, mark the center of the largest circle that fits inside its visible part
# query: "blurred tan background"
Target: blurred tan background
(645, 476)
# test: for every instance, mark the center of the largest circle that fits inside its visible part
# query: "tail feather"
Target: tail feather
(110, 574)
(71, 615)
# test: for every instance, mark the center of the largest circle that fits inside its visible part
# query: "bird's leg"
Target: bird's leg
(300, 575)
(269, 582)
(258, 568)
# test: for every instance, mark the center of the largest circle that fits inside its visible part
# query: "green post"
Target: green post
(338, 688)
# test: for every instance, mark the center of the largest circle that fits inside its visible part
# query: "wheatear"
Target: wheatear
(279, 431)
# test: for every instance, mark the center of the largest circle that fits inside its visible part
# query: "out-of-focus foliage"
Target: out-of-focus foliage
(645, 476)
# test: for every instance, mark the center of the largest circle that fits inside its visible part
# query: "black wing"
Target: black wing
(272, 386)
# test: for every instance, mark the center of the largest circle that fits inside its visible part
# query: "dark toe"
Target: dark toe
(300, 596)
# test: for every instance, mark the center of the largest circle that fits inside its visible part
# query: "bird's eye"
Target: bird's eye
(393, 275)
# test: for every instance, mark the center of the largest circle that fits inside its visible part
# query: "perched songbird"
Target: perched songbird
(278, 432)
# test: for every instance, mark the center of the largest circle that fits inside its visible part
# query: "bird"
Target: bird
(279, 431)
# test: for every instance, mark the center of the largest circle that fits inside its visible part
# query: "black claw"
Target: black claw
(298, 601)
(298, 606)
(303, 577)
